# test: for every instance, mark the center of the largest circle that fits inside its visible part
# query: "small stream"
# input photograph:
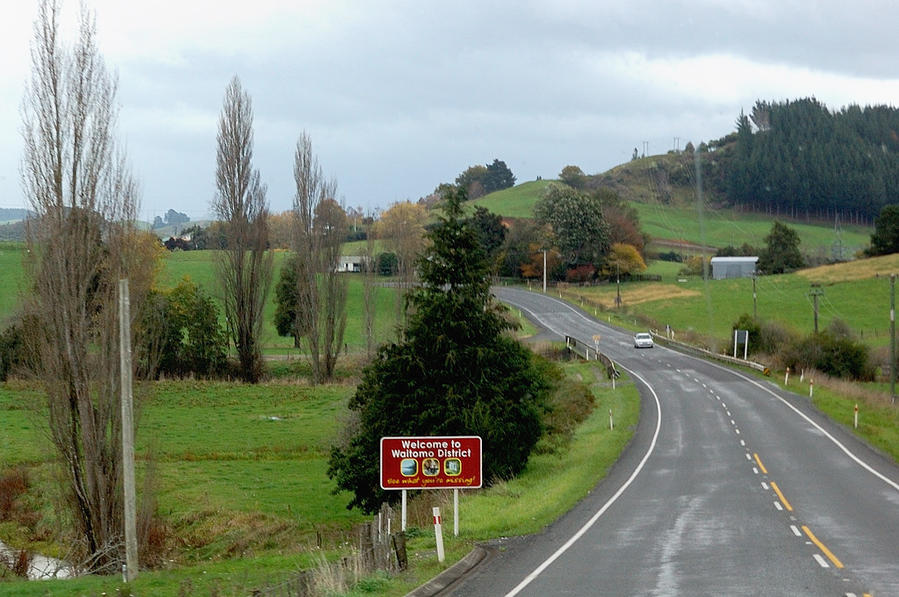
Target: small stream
(42, 567)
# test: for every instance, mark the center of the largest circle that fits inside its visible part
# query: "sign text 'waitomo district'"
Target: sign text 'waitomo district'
(431, 462)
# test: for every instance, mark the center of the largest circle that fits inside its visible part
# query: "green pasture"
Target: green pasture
(725, 227)
(11, 277)
(200, 267)
(715, 305)
(242, 481)
(514, 202)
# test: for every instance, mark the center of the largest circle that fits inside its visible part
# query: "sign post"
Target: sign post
(442, 462)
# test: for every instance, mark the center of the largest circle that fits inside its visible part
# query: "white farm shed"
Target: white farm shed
(733, 267)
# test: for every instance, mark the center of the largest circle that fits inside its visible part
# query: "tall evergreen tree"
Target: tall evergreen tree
(455, 372)
(781, 253)
(885, 239)
(498, 177)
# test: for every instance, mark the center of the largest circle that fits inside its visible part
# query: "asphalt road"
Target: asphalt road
(730, 487)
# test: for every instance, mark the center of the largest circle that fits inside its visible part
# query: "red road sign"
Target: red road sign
(448, 462)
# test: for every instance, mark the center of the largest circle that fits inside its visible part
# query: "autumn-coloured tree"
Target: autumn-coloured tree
(280, 227)
(624, 259)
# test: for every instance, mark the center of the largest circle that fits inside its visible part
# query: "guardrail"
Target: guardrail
(683, 346)
(584, 350)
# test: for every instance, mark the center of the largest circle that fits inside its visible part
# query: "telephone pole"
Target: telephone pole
(755, 306)
(130, 523)
(815, 292)
(618, 283)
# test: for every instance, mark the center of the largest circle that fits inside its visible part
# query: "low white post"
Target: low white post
(855, 418)
(403, 514)
(787, 376)
(455, 511)
(438, 532)
(811, 388)
(611, 420)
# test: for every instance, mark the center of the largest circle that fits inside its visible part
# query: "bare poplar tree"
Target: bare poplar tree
(368, 290)
(245, 269)
(81, 241)
(320, 228)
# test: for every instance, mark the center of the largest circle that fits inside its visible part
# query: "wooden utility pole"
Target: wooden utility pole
(618, 283)
(544, 271)
(755, 307)
(815, 292)
(130, 572)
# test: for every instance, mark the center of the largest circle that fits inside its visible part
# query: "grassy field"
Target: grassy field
(722, 227)
(515, 202)
(242, 483)
(11, 277)
(857, 293)
(199, 266)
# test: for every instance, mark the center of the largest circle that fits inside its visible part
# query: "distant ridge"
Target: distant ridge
(8, 215)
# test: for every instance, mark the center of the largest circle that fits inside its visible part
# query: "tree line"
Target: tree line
(800, 159)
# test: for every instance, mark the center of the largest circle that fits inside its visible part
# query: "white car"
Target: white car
(642, 340)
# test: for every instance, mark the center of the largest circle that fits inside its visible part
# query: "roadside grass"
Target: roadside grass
(551, 484)
(878, 420)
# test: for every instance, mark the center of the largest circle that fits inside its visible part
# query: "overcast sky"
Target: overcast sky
(401, 96)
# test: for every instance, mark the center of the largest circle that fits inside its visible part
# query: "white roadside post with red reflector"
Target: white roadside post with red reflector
(438, 532)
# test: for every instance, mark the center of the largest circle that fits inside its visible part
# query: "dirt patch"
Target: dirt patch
(853, 270)
(645, 293)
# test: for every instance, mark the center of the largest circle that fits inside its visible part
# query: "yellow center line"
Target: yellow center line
(780, 495)
(759, 461)
(822, 547)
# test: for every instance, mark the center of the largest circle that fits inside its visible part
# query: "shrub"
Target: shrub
(12, 349)
(387, 264)
(671, 256)
(181, 334)
(751, 325)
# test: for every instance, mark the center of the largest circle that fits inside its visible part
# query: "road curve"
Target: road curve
(730, 487)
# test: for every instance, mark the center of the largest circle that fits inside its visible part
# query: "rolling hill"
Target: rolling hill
(662, 189)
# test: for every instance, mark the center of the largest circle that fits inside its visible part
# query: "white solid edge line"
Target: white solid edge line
(580, 533)
(836, 442)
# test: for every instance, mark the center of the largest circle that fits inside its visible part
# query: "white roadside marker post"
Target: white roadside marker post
(787, 376)
(455, 511)
(611, 422)
(438, 532)
(403, 513)
(855, 418)
(811, 388)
